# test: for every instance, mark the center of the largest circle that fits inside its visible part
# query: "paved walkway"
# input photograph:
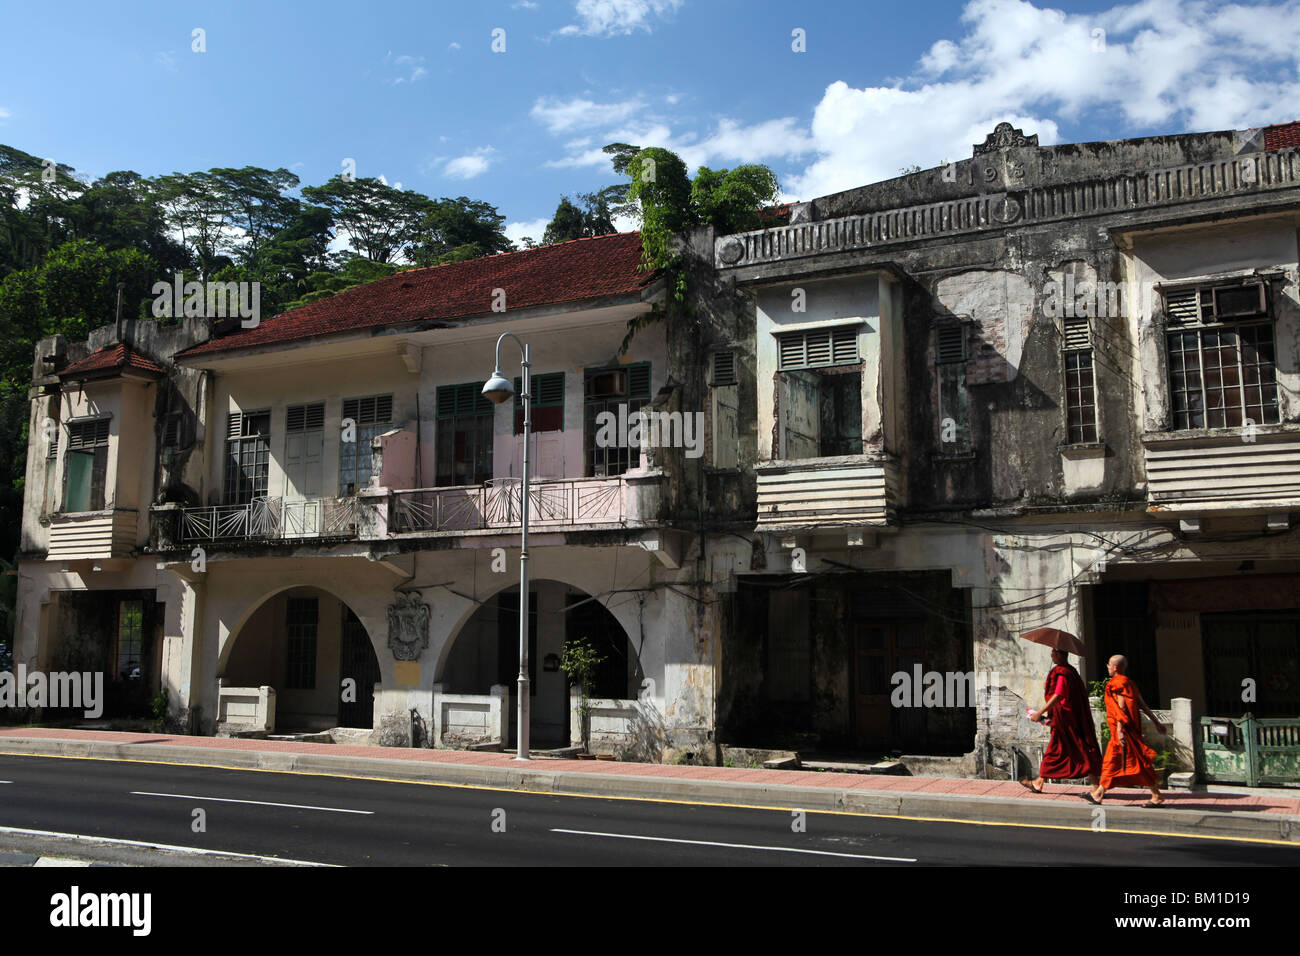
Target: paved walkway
(154, 746)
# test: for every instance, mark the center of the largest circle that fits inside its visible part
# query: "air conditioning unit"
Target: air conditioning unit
(1240, 301)
(611, 384)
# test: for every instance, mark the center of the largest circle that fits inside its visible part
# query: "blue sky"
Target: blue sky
(415, 92)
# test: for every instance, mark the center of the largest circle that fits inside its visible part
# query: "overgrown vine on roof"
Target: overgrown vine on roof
(669, 204)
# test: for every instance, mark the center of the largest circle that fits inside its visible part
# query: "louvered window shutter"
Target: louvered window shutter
(1076, 334)
(638, 380)
(951, 343)
(724, 368)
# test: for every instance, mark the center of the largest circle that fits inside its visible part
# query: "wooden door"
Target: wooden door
(872, 653)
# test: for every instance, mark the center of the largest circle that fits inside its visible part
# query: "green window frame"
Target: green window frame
(465, 432)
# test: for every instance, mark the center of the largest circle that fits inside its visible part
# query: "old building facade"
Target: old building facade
(1040, 386)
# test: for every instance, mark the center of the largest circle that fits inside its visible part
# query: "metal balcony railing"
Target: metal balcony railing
(271, 519)
(497, 505)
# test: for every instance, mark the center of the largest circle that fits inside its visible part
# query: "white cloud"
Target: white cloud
(1165, 64)
(617, 17)
(408, 69)
(730, 143)
(4, 114)
(167, 60)
(532, 228)
(562, 116)
(453, 45)
(471, 164)
(525, 5)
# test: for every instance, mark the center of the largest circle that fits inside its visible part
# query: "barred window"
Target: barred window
(464, 447)
(1222, 365)
(1080, 383)
(248, 454)
(608, 390)
(371, 416)
(301, 618)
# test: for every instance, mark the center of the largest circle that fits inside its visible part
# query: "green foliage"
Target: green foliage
(579, 664)
(591, 215)
(668, 204)
(1164, 760)
(158, 707)
(452, 230)
(1097, 688)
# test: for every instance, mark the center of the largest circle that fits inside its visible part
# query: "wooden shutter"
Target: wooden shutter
(724, 368)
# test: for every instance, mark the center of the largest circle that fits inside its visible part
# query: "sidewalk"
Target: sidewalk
(1272, 815)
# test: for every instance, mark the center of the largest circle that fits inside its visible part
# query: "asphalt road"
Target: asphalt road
(334, 820)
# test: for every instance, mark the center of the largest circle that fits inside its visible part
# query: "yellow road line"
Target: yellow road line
(689, 803)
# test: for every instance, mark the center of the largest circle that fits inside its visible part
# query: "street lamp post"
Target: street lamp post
(498, 389)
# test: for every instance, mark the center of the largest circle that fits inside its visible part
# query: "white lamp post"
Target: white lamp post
(498, 389)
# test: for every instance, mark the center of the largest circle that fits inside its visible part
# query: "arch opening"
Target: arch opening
(485, 652)
(314, 652)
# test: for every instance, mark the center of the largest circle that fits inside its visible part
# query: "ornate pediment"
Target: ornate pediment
(408, 627)
(1004, 136)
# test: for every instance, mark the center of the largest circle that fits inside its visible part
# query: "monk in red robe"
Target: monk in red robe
(1128, 758)
(1072, 752)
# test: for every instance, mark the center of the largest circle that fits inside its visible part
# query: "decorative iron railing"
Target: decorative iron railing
(497, 505)
(271, 519)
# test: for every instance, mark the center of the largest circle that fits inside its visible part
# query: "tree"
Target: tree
(258, 206)
(452, 230)
(594, 217)
(378, 219)
(202, 209)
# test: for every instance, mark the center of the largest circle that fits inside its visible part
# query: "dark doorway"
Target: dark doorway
(592, 620)
(1262, 647)
(1124, 625)
(358, 662)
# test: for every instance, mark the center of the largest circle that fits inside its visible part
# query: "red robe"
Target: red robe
(1127, 763)
(1072, 752)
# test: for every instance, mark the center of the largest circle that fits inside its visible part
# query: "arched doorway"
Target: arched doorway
(314, 651)
(486, 652)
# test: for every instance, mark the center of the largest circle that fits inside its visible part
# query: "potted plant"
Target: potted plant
(579, 665)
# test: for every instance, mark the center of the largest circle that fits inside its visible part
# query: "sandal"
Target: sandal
(1152, 805)
(1087, 795)
(1028, 785)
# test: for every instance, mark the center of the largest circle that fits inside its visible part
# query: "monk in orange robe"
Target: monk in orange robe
(1128, 758)
(1072, 752)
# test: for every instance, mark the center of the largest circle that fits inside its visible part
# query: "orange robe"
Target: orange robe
(1127, 763)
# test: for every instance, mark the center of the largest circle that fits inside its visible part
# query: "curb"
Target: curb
(969, 809)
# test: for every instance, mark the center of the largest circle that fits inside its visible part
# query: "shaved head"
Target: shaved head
(1120, 662)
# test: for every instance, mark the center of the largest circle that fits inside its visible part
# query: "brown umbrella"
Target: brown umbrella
(1054, 637)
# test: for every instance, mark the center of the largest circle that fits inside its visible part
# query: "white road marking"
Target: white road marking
(58, 861)
(6, 781)
(738, 846)
(258, 803)
(201, 851)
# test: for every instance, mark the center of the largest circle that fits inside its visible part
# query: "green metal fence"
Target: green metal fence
(1248, 750)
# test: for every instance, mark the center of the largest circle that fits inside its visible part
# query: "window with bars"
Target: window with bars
(248, 454)
(1080, 383)
(1222, 365)
(816, 348)
(371, 416)
(130, 640)
(300, 625)
(954, 401)
(547, 403)
(464, 445)
(621, 391)
(86, 465)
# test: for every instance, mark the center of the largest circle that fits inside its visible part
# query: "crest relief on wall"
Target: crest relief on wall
(408, 627)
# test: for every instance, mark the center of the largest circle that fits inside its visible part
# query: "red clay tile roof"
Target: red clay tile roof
(110, 360)
(571, 271)
(1282, 136)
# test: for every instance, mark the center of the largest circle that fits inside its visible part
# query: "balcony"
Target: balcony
(262, 519)
(619, 502)
(853, 491)
(1204, 472)
(92, 535)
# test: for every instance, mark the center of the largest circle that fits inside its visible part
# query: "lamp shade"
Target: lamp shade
(498, 388)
